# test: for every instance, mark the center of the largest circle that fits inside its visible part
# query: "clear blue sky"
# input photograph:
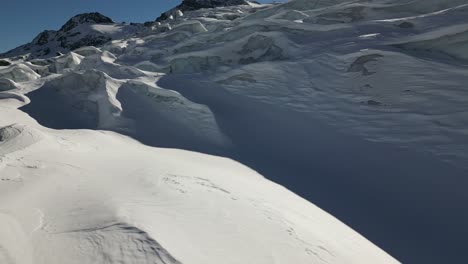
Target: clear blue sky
(22, 20)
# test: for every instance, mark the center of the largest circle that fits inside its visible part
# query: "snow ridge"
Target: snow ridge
(89, 29)
(134, 245)
(215, 77)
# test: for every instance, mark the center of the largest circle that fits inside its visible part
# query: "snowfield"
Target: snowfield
(83, 108)
(84, 196)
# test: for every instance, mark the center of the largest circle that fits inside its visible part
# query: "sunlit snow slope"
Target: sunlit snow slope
(84, 196)
(231, 81)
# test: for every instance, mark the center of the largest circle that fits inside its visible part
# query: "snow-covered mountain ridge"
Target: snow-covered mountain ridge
(223, 42)
(95, 29)
(237, 80)
(89, 29)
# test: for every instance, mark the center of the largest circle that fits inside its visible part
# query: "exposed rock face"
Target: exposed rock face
(359, 65)
(64, 33)
(4, 63)
(74, 34)
(89, 40)
(43, 38)
(189, 5)
(198, 4)
(95, 18)
(406, 24)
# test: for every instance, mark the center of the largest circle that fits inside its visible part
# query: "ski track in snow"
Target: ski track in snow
(41, 220)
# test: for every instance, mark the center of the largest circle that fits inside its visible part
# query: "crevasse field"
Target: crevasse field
(146, 143)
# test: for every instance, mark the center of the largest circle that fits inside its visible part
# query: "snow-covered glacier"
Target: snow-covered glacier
(358, 106)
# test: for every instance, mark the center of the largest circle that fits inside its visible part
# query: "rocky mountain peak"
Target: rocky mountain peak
(96, 18)
(198, 4)
(190, 5)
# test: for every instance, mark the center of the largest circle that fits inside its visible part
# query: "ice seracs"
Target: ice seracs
(83, 194)
(19, 73)
(74, 190)
(6, 84)
(17, 137)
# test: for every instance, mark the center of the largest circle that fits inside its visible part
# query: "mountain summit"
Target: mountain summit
(88, 29)
(94, 18)
(187, 5)
(191, 5)
(96, 29)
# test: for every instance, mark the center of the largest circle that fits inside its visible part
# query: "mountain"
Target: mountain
(358, 106)
(191, 5)
(89, 29)
(188, 5)
(95, 29)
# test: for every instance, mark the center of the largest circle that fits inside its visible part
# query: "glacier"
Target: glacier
(357, 106)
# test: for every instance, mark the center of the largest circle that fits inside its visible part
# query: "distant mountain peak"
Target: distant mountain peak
(198, 4)
(95, 17)
(190, 5)
(77, 32)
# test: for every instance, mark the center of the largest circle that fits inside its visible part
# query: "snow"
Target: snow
(18, 73)
(87, 51)
(65, 62)
(67, 39)
(86, 201)
(7, 84)
(450, 40)
(82, 182)
(190, 26)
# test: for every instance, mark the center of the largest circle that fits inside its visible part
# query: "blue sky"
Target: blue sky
(22, 20)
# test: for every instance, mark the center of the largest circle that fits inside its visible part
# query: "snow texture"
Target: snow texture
(217, 79)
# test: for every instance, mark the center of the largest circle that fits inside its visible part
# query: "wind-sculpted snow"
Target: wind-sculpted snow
(17, 137)
(87, 51)
(267, 85)
(69, 61)
(115, 243)
(7, 84)
(451, 41)
(86, 99)
(15, 96)
(86, 201)
(190, 26)
(18, 73)
(94, 100)
(105, 62)
(162, 117)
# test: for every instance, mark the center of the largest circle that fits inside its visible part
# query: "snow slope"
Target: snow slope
(98, 197)
(227, 81)
(352, 46)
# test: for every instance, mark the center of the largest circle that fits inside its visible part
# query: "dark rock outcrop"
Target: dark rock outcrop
(89, 40)
(67, 38)
(359, 65)
(406, 24)
(43, 38)
(4, 63)
(190, 5)
(95, 18)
